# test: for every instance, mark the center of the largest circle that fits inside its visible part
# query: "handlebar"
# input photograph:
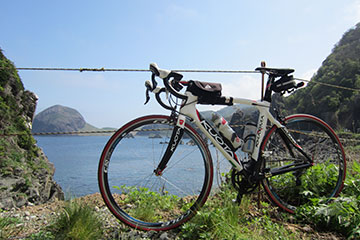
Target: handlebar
(171, 80)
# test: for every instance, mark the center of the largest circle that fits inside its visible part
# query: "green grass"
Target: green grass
(221, 218)
(42, 235)
(8, 227)
(77, 222)
(147, 203)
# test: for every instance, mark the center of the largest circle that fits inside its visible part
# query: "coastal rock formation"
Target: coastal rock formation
(58, 119)
(26, 175)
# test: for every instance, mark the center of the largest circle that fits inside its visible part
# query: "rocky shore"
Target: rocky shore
(34, 219)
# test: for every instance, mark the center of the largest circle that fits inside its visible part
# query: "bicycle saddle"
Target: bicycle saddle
(277, 72)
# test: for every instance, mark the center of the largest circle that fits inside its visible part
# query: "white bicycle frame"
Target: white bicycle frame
(188, 109)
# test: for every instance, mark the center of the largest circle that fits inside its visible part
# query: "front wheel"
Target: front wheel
(324, 179)
(139, 197)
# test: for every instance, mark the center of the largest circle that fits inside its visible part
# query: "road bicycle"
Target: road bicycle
(156, 171)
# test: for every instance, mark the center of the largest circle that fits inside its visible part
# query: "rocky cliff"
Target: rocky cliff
(26, 175)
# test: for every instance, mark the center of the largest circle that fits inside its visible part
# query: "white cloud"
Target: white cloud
(353, 11)
(239, 86)
(243, 87)
(308, 74)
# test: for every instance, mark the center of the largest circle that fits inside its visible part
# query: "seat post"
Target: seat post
(263, 64)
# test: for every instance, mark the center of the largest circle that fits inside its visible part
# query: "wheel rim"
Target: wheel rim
(142, 199)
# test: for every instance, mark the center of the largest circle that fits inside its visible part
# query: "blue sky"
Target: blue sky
(228, 35)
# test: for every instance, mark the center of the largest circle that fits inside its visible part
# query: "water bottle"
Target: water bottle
(249, 136)
(226, 131)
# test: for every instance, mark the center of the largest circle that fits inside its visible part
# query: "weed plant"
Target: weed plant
(77, 221)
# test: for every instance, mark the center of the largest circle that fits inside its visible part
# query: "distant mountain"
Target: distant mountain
(60, 119)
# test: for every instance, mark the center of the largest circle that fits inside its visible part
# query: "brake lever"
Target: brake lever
(149, 87)
(147, 96)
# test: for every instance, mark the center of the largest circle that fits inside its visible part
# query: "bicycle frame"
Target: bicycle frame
(188, 109)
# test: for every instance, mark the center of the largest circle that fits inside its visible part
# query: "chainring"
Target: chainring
(241, 182)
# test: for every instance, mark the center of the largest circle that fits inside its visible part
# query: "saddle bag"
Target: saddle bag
(207, 93)
(283, 84)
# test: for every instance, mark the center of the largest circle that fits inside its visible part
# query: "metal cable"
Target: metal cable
(329, 85)
(131, 70)
(179, 70)
(84, 69)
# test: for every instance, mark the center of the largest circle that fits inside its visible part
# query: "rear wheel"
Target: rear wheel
(131, 189)
(322, 180)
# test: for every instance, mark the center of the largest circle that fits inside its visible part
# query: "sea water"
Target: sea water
(76, 160)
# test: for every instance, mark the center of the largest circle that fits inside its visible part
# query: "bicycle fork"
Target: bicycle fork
(176, 136)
